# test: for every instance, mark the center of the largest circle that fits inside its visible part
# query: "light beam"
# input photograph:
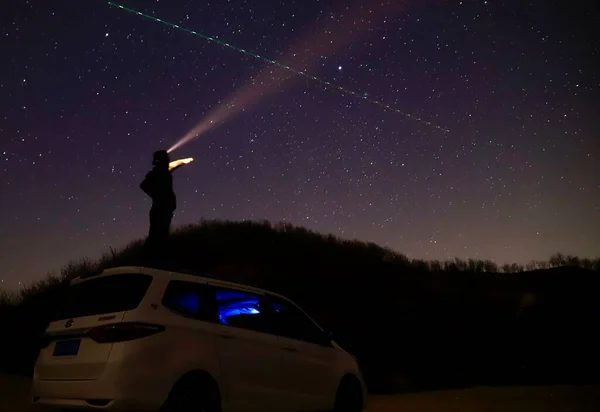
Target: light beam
(249, 94)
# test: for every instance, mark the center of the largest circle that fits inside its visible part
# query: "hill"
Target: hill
(412, 324)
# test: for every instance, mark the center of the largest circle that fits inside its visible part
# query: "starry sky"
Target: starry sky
(89, 91)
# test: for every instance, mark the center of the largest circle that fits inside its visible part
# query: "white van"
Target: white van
(134, 338)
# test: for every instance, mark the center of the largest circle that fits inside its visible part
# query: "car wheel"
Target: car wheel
(193, 395)
(349, 396)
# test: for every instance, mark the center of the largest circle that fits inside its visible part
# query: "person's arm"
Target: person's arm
(176, 164)
(175, 167)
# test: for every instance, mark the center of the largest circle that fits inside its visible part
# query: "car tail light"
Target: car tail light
(121, 332)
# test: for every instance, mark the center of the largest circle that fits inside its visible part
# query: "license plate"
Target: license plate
(66, 347)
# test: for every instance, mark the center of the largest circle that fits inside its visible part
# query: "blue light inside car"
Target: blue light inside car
(248, 307)
(227, 312)
(189, 302)
(223, 295)
(229, 303)
(232, 303)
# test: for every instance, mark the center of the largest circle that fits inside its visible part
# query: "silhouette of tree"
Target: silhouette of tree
(573, 261)
(557, 259)
(450, 266)
(435, 266)
(516, 268)
(461, 264)
(587, 263)
(490, 266)
(420, 264)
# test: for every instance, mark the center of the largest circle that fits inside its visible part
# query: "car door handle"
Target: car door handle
(289, 349)
(226, 336)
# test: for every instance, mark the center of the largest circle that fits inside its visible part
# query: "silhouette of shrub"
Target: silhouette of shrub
(413, 324)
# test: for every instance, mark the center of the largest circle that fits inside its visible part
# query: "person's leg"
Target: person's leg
(150, 247)
(157, 242)
(163, 225)
(153, 227)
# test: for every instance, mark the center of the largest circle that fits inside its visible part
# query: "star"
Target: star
(512, 181)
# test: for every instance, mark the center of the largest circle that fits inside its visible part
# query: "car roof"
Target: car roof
(205, 278)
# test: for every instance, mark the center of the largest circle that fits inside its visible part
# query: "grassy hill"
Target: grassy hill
(412, 324)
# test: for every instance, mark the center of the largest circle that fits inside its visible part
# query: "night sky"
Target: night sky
(89, 91)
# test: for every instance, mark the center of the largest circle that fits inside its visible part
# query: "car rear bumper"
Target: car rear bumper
(80, 404)
(121, 391)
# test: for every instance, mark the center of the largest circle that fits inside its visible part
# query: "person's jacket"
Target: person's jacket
(158, 184)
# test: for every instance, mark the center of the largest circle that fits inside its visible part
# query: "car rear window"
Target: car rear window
(108, 294)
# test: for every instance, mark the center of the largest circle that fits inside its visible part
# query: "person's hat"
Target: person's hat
(160, 156)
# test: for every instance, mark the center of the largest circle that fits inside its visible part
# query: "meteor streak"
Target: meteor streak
(248, 95)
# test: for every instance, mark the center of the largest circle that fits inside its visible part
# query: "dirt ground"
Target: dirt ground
(14, 397)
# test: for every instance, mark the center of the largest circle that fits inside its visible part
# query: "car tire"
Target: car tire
(193, 394)
(349, 396)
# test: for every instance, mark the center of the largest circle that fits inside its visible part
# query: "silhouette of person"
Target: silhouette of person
(158, 185)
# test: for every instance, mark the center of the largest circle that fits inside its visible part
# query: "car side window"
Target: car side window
(289, 321)
(190, 299)
(241, 309)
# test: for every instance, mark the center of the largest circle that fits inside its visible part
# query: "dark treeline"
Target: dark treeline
(489, 266)
(413, 324)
